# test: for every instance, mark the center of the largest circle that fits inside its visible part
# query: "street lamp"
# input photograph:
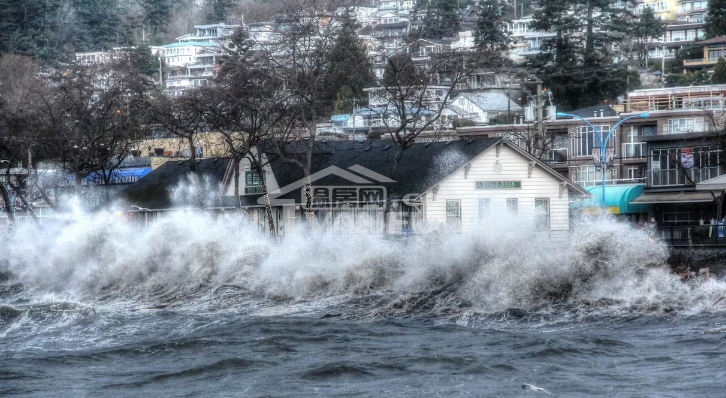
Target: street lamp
(603, 144)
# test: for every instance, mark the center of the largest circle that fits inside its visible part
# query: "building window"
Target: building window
(483, 207)
(590, 176)
(648, 131)
(542, 213)
(453, 215)
(558, 153)
(635, 173)
(684, 125)
(252, 179)
(633, 148)
(585, 140)
(512, 206)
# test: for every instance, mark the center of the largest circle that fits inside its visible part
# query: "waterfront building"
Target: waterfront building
(441, 186)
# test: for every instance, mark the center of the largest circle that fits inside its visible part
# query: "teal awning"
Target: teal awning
(617, 199)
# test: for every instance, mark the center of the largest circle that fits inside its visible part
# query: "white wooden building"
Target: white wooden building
(457, 187)
(502, 184)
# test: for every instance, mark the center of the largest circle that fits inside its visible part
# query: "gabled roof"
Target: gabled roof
(497, 102)
(459, 111)
(155, 191)
(422, 166)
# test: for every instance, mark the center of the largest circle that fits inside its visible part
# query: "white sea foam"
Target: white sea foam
(187, 255)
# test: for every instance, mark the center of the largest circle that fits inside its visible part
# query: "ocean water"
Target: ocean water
(202, 306)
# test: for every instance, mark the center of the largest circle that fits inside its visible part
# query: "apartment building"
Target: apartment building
(672, 155)
(665, 9)
(191, 61)
(677, 34)
(691, 10)
(713, 50)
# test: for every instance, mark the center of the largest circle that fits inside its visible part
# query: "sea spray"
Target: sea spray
(187, 257)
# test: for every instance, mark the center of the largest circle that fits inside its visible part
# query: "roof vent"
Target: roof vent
(426, 145)
(199, 160)
(215, 160)
(470, 141)
(180, 162)
(448, 143)
(387, 146)
(367, 149)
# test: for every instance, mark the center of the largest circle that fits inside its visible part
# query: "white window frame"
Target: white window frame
(453, 218)
(485, 206)
(542, 214)
(584, 140)
(513, 206)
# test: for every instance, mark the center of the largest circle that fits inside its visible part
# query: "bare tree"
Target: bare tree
(91, 117)
(247, 104)
(411, 98)
(180, 117)
(19, 84)
(536, 140)
(299, 55)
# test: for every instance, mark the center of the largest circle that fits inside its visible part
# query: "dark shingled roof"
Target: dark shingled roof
(713, 40)
(422, 166)
(154, 191)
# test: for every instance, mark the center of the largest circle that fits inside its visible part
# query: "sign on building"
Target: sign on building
(498, 184)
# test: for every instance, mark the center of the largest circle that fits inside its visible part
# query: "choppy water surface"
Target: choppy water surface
(195, 306)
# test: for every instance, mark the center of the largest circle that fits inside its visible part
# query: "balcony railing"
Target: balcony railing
(699, 62)
(675, 177)
(692, 235)
(596, 182)
(685, 129)
(634, 150)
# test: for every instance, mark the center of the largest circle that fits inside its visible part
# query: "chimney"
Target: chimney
(602, 113)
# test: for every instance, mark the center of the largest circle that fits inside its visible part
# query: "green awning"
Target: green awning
(617, 199)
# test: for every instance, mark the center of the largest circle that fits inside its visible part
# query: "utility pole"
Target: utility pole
(161, 72)
(662, 64)
(539, 135)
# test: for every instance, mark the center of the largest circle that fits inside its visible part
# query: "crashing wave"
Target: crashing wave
(186, 258)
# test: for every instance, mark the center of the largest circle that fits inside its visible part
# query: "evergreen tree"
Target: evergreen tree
(144, 61)
(648, 27)
(440, 20)
(345, 101)
(217, 10)
(27, 27)
(349, 65)
(716, 18)
(491, 34)
(579, 68)
(719, 72)
(157, 14)
(100, 27)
